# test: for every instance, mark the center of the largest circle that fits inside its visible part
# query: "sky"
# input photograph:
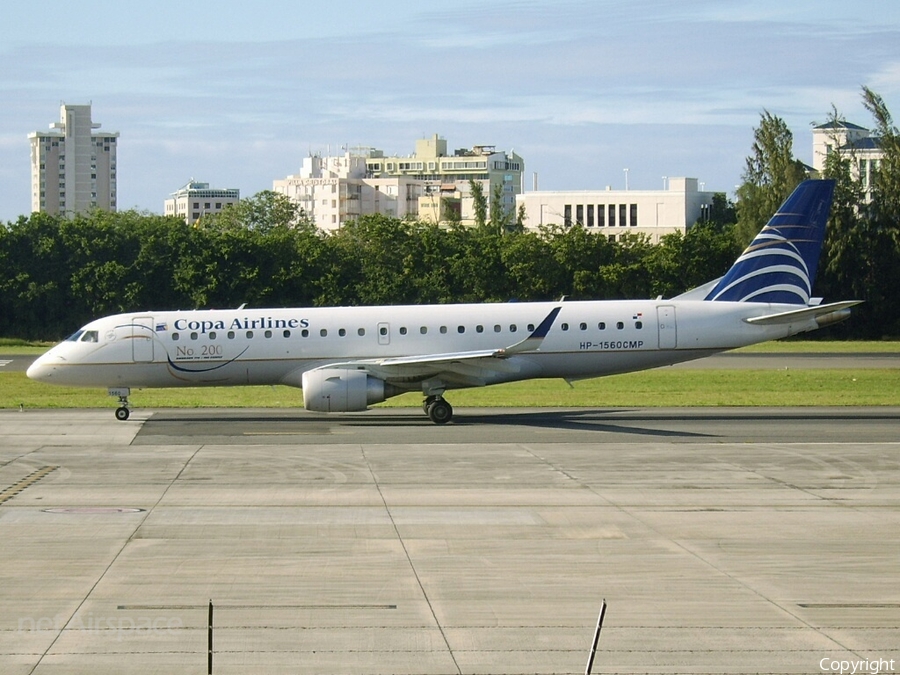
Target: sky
(237, 94)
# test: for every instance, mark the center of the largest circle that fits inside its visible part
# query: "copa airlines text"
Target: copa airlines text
(348, 358)
(205, 326)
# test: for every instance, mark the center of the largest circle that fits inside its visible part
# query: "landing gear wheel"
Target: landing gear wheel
(122, 412)
(439, 411)
(427, 402)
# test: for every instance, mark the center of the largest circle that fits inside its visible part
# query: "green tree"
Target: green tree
(722, 212)
(501, 219)
(861, 259)
(35, 268)
(479, 203)
(770, 175)
(531, 269)
(263, 212)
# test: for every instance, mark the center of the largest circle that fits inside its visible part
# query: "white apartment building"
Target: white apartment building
(429, 184)
(849, 139)
(335, 190)
(654, 213)
(195, 200)
(73, 168)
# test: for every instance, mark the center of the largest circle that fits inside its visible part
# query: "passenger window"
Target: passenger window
(382, 330)
(423, 330)
(531, 328)
(268, 333)
(460, 329)
(638, 324)
(443, 329)
(479, 329)
(497, 328)
(402, 330)
(324, 332)
(564, 326)
(360, 331)
(212, 335)
(287, 333)
(193, 336)
(304, 333)
(582, 325)
(620, 325)
(602, 325)
(513, 328)
(231, 335)
(249, 334)
(175, 337)
(342, 332)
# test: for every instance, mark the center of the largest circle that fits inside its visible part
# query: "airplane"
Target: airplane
(347, 358)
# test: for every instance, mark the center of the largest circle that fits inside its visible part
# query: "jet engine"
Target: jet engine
(341, 390)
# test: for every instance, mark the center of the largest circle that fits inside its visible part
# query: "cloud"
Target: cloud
(653, 84)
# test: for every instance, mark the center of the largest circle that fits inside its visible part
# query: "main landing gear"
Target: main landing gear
(437, 409)
(122, 412)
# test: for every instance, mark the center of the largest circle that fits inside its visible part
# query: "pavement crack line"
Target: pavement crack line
(409, 561)
(694, 554)
(112, 562)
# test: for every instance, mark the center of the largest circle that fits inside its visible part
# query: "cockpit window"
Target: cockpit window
(74, 336)
(90, 336)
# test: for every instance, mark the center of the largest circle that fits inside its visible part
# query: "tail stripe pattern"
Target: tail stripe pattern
(780, 264)
(794, 266)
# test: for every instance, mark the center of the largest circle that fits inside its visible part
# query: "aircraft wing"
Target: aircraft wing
(462, 367)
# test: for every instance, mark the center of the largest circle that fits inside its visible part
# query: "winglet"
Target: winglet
(533, 341)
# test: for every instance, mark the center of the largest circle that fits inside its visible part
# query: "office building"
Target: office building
(195, 200)
(613, 213)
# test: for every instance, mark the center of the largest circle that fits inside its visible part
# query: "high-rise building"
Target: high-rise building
(73, 167)
(196, 200)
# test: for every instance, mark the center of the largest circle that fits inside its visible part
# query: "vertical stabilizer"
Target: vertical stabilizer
(780, 264)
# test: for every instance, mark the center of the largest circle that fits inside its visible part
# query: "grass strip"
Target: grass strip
(666, 387)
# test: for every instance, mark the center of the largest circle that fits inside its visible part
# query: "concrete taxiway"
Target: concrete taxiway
(725, 540)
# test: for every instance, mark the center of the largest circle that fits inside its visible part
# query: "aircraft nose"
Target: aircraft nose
(42, 369)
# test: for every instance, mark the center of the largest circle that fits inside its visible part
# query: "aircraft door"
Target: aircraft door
(384, 333)
(668, 328)
(142, 339)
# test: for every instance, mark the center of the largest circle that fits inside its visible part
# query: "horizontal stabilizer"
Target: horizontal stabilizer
(839, 309)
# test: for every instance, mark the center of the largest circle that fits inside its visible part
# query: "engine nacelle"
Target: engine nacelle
(340, 390)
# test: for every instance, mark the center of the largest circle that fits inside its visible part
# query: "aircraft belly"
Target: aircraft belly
(581, 365)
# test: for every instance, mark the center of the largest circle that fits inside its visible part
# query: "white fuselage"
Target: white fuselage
(276, 346)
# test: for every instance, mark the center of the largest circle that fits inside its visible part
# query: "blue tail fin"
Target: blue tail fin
(780, 264)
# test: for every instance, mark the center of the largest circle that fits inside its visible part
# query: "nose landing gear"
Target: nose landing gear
(123, 411)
